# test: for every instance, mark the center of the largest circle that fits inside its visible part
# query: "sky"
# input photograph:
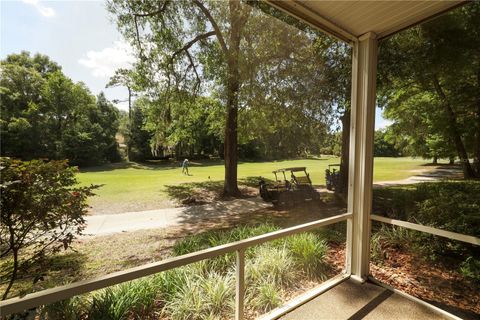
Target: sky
(78, 35)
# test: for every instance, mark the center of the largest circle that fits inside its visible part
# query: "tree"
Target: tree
(437, 62)
(175, 32)
(42, 211)
(138, 137)
(125, 78)
(422, 133)
(107, 117)
(338, 64)
(20, 104)
(44, 114)
(237, 53)
(285, 108)
(383, 147)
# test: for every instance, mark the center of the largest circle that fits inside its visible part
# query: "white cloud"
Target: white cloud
(103, 63)
(44, 11)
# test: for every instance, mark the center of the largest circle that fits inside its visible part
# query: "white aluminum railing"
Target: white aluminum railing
(19, 304)
(426, 229)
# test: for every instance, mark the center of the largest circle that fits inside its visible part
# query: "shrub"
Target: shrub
(447, 205)
(470, 268)
(219, 293)
(377, 252)
(391, 237)
(187, 302)
(452, 205)
(216, 238)
(42, 211)
(69, 309)
(308, 252)
(205, 289)
(264, 297)
(270, 264)
(333, 233)
(131, 298)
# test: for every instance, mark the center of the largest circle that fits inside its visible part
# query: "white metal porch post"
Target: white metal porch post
(362, 126)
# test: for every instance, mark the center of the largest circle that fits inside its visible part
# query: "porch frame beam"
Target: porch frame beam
(362, 127)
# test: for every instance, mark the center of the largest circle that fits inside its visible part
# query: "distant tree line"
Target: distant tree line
(44, 114)
(266, 88)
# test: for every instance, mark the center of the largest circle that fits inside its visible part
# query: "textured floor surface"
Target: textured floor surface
(351, 300)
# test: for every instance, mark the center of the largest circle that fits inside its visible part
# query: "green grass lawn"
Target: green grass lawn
(135, 187)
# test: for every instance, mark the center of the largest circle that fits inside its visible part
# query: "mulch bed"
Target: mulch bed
(432, 282)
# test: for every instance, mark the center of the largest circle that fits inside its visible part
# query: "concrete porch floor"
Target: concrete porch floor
(352, 300)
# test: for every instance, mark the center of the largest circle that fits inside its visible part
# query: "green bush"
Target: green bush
(219, 293)
(264, 297)
(448, 205)
(309, 252)
(131, 298)
(69, 309)
(377, 251)
(42, 212)
(452, 205)
(206, 289)
(391, 237)
(187, 301)
(275, 265)
(470, 268)
(216, 238)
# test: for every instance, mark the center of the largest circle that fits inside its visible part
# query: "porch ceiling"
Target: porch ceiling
(348, 20)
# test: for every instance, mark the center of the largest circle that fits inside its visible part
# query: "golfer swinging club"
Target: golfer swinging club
(185, 167)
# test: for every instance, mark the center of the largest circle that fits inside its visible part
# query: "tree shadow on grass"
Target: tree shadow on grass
(176, 164)
(149, 165)
(276, 161)
(131, 165)
(197, 193)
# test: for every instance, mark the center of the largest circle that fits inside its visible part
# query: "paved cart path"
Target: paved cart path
(172, 217)
(162, 218)
(425, 175)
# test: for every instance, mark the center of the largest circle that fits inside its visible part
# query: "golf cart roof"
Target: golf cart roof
(293, 169)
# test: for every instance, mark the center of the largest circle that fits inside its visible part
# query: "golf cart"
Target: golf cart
(333, 177)
(291, 186)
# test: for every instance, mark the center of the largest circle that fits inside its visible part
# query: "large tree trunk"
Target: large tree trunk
(477, 142)
(129, 144)
(454, 132)
(230, 150)
(230, 187)
(345, 157)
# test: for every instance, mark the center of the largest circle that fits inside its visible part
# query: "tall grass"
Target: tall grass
(131, 298)
(309, 252)
(206, 289)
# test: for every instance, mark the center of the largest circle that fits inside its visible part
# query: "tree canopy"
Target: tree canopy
(430, 86)
(44, 114)
(261, 66)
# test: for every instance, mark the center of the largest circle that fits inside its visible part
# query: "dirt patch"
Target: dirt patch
(100, 207)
